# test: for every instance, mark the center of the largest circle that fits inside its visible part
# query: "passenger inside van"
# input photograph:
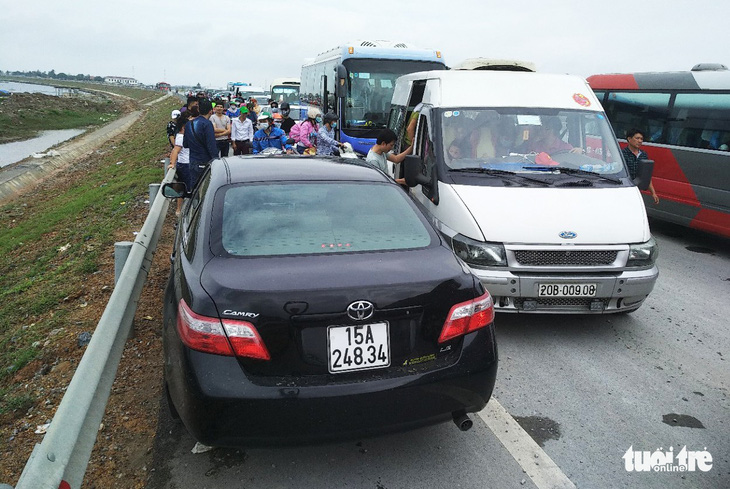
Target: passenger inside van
(545, 138)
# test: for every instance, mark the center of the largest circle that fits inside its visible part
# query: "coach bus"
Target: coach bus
(356, 81)
(685, 117)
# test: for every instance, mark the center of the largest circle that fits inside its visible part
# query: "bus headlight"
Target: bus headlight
(479, 253)
(643, 255)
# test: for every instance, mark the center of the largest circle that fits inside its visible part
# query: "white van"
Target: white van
(522, 173)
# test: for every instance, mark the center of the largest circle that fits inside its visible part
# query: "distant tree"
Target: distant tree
(52, 74)
(197, 87)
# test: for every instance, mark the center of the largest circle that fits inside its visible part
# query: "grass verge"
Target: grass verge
(53, 243)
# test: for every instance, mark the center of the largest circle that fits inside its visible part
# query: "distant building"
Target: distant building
(120, 80)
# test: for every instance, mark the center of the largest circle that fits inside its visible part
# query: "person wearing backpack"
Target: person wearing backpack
(199, 137)
(305, 133)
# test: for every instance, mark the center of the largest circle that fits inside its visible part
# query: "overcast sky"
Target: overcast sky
(213, 42)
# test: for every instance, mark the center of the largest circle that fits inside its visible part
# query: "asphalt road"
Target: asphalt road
(586, 389)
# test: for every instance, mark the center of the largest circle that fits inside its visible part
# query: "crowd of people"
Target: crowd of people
(205, 129)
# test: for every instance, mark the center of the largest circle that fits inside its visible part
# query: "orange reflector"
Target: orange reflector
(351, 50)
(438, 54)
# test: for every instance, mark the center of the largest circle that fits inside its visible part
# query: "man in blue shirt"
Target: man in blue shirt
(326, 143)
(269, 136)
(199, 137)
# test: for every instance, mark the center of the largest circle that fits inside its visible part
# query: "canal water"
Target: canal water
(16, 87)
(13, 152)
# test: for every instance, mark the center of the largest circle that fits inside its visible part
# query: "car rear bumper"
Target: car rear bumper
(221, 406)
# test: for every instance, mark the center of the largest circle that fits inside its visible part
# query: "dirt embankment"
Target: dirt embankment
(22, 115)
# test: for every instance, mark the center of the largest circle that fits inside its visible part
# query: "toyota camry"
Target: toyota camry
(309, 300)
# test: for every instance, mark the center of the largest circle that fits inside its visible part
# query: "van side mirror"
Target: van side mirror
(412, 172)
(644, 170)
(175, 190)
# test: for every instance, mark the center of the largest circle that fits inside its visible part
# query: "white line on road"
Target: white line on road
(537, 465)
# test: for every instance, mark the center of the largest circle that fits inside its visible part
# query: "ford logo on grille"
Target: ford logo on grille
(567, 235)
(360, 310)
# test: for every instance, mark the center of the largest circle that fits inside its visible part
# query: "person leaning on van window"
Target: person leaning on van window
(633, 153)
(380, 154)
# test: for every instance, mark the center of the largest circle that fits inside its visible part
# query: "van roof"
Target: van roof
(458, 89)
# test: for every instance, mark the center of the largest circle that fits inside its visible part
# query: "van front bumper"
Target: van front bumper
(618, 291)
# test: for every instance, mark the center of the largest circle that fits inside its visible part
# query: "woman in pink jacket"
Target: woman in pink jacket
(305, 133)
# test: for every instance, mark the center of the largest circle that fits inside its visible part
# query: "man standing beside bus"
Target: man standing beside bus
(633, 153)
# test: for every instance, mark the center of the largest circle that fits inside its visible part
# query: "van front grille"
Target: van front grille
(586, 258)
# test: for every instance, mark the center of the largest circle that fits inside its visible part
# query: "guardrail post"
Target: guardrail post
(121, 252)
(154, 188)
(165, 162)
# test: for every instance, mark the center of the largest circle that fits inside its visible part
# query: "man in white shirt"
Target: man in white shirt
(242, 133)
(222, 129)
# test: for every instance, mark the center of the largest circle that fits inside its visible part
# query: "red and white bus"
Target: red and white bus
(685, 117)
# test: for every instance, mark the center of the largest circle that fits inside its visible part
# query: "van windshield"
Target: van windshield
(529, 140)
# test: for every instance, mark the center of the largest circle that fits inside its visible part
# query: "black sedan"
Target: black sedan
(310, 300)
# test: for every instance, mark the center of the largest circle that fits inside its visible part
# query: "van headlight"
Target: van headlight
(479, 253)
(643, 255)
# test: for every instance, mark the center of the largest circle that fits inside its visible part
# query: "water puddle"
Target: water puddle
(682, 420)
(539, 428)
(19, 150)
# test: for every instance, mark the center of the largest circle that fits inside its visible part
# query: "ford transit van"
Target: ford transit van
(522, 174)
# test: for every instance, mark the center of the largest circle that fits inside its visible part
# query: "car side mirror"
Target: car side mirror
(175, 190)
(412, 172)
(644, 170)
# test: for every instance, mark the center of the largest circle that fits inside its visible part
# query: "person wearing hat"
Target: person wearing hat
(269, 136)
(242, 133)
(233, 111)
(287, 122)
(172, 127)
(327, 145)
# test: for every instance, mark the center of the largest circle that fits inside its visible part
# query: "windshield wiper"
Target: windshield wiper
(573, 171)
(499, 173)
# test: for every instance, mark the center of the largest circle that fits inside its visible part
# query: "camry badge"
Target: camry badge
(567, 235)
(360, 310)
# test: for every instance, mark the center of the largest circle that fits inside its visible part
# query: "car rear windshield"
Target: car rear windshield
(318, 217)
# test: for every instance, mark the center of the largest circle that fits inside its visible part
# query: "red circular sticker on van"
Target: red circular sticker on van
(581, 99)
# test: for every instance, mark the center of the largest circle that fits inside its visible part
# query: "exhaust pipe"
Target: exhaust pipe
(462, 420)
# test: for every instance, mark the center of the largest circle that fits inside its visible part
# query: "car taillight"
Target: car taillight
(468, 316)
(211, 335)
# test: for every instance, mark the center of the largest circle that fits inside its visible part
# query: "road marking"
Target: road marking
(534, 461)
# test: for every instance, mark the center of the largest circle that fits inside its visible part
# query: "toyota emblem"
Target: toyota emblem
(360, 310)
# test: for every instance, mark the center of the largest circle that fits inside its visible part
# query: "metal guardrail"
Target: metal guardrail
(63, 455)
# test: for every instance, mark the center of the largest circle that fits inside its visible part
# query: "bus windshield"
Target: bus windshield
(529, 140)
(285, 93)
(370, 89)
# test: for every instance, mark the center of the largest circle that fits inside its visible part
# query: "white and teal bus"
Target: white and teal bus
(356, 81)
